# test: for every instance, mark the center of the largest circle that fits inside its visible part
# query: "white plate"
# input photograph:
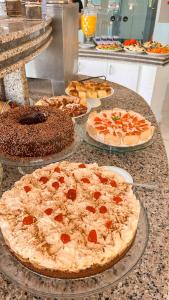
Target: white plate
(134, 52)
(158, 54)
(128, 178)
(86, 46)
(108, 50)
(94, 102)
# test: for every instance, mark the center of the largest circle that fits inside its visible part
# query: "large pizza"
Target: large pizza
(118, 127)
(69, 220)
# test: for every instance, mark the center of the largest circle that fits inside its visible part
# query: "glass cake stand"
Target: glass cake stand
(75, 288)
(114, 149)
(41, 161)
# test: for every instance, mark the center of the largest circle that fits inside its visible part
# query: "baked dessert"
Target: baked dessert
(89, 89)
(135, 48)
(158, 50)
(69, 220)
(74, 106)
(119, 127)
(109, 47)
(35, 131)
(152, 44)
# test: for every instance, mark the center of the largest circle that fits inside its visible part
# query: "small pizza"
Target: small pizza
(119, 127)
(69, 220)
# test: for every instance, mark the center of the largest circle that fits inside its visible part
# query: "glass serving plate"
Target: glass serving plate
(114, 149)
(75, 288)
(40, 161)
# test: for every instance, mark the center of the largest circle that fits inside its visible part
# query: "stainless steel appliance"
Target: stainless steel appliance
(59, 62)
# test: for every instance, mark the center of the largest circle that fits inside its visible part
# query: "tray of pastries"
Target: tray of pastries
(74, 106)
(118, 127)
(89, 89)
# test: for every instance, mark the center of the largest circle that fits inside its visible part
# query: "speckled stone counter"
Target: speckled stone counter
(20, 42)
(149, 279)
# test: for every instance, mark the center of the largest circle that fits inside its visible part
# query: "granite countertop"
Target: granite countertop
(149, 279)
(15, 28)
(125, 56)
(22, 40)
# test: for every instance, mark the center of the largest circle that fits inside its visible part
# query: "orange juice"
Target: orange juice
(88, 24)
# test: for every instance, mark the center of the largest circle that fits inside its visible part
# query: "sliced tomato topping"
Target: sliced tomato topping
(91, 209)
(92, 236)
(71, 194)
(65, 238)
(61, 179)
(101, 127)
(85, 180)
(97, 119)
(27, 188)
(103, 209)
(48, 211)
(96, 195)
(118, 122)
(57, 169)
(55, 185)
(43, 179)
(117, 199)
(59, 218)
(113, 183)
(102, 179)
(82, 166)
(126, 116)
(28, 220)
(108, 224)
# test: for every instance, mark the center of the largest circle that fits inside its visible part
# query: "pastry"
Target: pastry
(119, 127)
(69, 220)
(74, 106)
(35, 131)
(89, 89)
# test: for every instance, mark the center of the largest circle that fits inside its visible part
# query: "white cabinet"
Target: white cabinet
(124, 73)
(92, 67)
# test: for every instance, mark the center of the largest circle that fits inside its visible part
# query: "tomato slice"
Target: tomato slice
(59, 217)
(96, 195)
(28, 220)
(43, 179)
(27, 188)
(48, 211)
(65, 238)
(91, 209)
(103, 209)
(92, 236)
(71, 194)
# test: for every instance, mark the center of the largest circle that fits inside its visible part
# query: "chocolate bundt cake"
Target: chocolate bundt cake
(35, 131)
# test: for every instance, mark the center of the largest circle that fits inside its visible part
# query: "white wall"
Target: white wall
(161, 30)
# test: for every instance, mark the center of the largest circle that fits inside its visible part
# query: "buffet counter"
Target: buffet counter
(125, 56)
(144, 74)
(149, 278)
(20, 42)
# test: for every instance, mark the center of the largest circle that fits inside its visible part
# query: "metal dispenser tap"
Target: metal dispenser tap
(59, 62)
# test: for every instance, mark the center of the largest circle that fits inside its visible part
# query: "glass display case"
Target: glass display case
(126, 19)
